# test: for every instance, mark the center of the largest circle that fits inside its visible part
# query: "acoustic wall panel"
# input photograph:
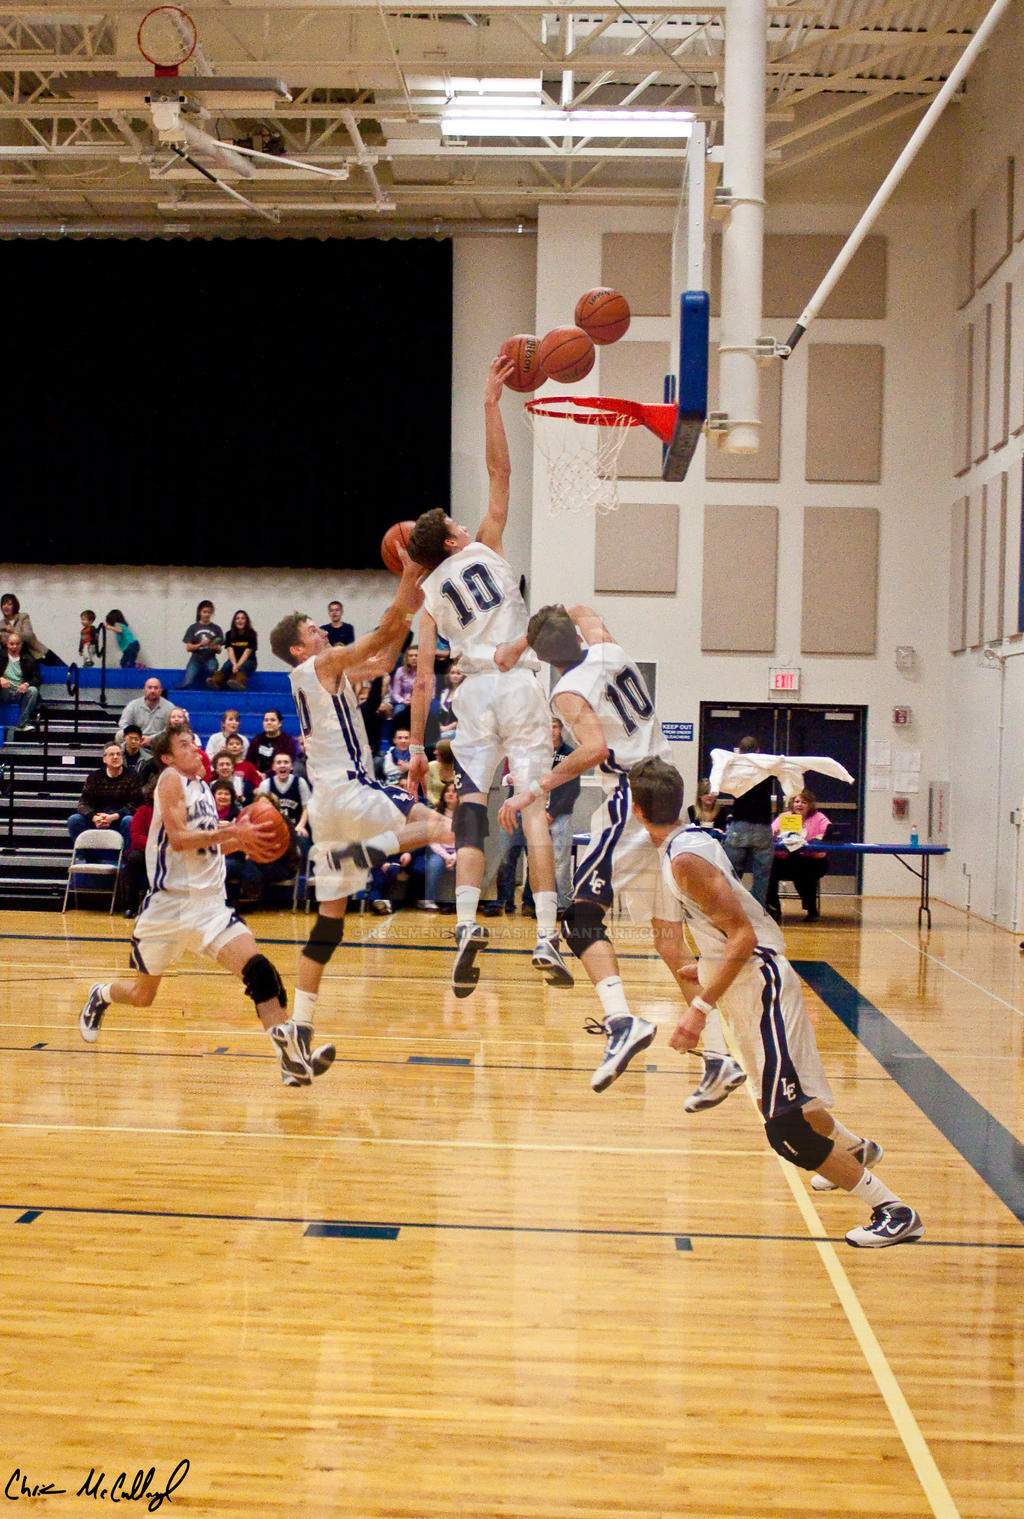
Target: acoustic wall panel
(639, 264)
(635, 371)
(840, 580)
(974, 566)
(794, 266)
(965, 260)
(1015, 401)
(637, 549)
(958, 577)
(994, 571)
(999, 359)
(764, 465)
(980, 385)
(993, 235)
(963, 385)
(1013, 580)
(844, 412)
(738, 614)
(1017, 216)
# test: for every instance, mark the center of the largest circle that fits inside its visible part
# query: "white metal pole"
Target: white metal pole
(746, 47)
(897, 171)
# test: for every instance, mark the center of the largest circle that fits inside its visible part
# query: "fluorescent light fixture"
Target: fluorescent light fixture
(462, 121)
(532, 88)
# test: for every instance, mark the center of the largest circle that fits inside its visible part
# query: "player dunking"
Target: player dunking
(356, 821)
(472, 598)
(601, 698)
(186, 909)
(743, 965)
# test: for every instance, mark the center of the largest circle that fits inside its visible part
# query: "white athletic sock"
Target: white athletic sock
(546, 905)
(714, 1035)
(613, 998)
(303, 1004)
(386, 841)
(843, 1137)
(873, 1191)
(105, 991)
(467, 900)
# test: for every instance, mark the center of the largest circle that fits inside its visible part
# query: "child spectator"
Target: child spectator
(243, 880)
(127, 643)
(87, 637)
(233, 745)
(229, 723)
(225, 769)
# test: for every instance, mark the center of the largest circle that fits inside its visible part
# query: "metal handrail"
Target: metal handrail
(101, 644)
(8, 769)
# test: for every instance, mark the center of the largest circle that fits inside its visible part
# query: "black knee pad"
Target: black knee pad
(583, 925)
(471, 826)
(790, 1135)
(262, 982)
(323, 941)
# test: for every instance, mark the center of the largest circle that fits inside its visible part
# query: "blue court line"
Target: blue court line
(989, 1148)
(375, 1229)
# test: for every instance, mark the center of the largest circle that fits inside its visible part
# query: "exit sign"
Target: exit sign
(784, 680)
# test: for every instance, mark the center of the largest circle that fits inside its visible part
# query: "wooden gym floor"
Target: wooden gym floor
(451, 1281)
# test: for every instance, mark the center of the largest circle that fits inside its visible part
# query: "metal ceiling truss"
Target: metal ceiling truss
(368, 83)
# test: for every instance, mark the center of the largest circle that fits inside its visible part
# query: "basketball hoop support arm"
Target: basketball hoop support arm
(896, 173)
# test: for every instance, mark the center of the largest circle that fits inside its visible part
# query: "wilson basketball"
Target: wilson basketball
(603, 314)
(566, 354)
(262, 811)
(398, 534)
(524, 351)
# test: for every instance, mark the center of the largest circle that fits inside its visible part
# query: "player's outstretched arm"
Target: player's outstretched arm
(590, 750)
(386, 638)
(589, 624)
(496, 455)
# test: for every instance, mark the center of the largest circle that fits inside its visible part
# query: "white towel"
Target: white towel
(737, 773)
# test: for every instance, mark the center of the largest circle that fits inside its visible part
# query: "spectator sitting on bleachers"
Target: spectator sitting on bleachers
(403, 679)
(203, 639)
(447, 719)
(151, 711)
(249, 773)
(225, 769)
(230, 722)
(272, 740)
(109, 797)
(134, 879)
(20, 680)
(179, 718)
(243, 880)
(292, 795)
(396, 760)
(14, 620)
(337, 631)
(136, 758)
(240, 646)
(440, 772)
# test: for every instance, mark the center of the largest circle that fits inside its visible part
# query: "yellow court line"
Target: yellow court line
(914, 1443)
(944, 965)
(368, 1139)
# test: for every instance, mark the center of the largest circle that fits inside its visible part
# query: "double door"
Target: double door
(838, 731)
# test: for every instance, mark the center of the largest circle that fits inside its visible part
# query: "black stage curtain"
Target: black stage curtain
(225, 402)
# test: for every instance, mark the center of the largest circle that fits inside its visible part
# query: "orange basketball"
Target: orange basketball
(566, 353)
(524, 351)
(603, 314)
(262, 810)
(399, 534)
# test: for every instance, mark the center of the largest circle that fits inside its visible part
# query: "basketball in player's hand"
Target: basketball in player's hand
(396, 537)
(566, 354)
(603, 314)
(527, 371)
(263, 813)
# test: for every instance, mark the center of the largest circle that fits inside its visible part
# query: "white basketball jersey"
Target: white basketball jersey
(185, 870)
(475, 601)
(614, 689)
(332, 728)
(708, 938)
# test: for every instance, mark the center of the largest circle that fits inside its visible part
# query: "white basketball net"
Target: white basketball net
(581, 454)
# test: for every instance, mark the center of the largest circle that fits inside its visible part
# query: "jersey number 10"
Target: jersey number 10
(628, 696)
(478, 583)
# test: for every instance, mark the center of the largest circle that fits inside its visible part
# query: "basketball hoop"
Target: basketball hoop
(167, 38)
(580, 439)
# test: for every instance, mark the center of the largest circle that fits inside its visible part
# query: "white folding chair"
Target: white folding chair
(88, 843)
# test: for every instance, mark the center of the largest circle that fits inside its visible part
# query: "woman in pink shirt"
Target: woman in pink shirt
(804, 867)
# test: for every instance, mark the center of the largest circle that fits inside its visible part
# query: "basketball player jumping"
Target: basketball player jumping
(356, 821)
(601, 698)
(743, 966)
(472, 598)
(186, 909)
